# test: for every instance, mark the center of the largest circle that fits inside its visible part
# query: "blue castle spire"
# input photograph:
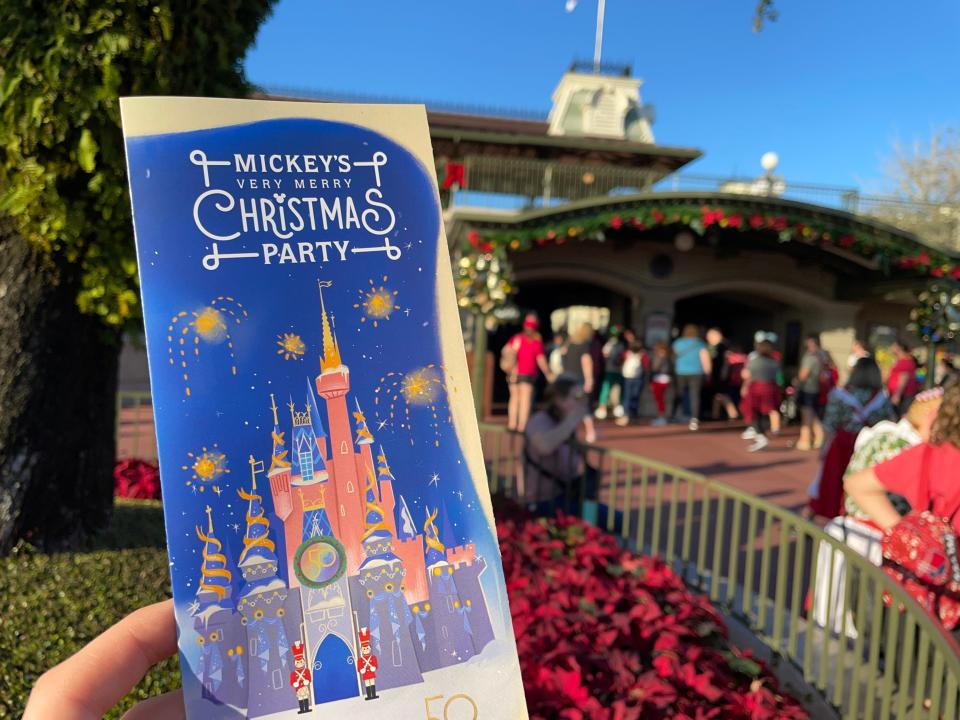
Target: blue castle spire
(314, 409)
(258, 561)
(216, 580)
(406, 528)
(364, 436)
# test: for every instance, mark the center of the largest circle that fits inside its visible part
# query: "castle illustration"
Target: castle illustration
(352, 559)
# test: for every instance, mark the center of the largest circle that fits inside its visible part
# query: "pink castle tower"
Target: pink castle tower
(344, 492)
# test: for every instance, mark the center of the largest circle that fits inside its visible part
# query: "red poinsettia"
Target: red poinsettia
(711, 217)
(136, 479)
(607, 635)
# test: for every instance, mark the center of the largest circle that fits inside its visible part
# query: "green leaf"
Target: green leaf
(742, 665)
(87, 151)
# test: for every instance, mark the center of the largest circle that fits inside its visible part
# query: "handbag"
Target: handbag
(920, 553)
(508, 356)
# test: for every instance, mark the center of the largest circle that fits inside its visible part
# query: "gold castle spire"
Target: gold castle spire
(430, 534)
(331, 350)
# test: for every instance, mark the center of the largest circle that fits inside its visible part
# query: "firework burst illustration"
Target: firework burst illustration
(403, 396)
(206, 467)
(378, 303)
(291, 346)
(210, 325)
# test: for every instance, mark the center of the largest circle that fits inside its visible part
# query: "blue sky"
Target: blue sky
(828, 86)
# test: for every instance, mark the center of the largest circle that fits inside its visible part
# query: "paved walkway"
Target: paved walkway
(779, 474)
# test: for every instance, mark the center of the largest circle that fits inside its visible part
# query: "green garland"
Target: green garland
(484, 276)
(700, 219)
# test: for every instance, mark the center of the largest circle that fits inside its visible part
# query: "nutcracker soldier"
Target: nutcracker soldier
(367, 665)
(300, 679)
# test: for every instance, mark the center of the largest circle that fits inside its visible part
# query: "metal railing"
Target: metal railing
(524, 184)
(757, 562)
(520, 183)
(936, 223)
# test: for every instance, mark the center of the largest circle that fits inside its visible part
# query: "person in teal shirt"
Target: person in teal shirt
(692, 364)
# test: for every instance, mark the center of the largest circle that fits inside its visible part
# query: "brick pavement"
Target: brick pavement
(779, 474)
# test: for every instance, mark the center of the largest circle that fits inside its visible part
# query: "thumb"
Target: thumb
(168, 706)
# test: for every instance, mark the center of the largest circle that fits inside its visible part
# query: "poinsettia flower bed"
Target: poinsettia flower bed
(603, 633)
(136, 479)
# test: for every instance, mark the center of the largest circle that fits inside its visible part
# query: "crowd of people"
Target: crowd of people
(613, 372)
(888, 449)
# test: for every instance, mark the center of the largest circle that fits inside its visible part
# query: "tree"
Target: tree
(765, 12)
(923, 179)
(68, 281)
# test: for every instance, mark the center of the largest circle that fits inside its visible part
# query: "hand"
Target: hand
(88, 684)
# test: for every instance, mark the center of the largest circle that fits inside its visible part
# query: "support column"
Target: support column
(478, 375)
(838, 330)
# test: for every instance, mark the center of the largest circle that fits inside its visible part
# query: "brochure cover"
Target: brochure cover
(331, 540)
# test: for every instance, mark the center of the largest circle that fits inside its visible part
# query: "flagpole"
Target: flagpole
(598, 46)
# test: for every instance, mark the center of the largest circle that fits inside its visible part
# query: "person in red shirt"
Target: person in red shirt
(525, 349)
(933, 465)
(902, 382)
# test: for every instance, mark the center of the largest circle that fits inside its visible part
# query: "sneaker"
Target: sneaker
(749, 434)
(622, 421)
(618, 411)
(601, 413)
(759, 444)
(659, 422)
(694, 425)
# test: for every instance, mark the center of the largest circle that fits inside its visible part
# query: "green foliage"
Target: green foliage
(52, 605)
(62, 70)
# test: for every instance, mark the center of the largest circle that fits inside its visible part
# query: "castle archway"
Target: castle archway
(334, 671)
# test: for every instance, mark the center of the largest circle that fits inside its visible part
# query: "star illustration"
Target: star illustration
(434, 479)
(382, 424)
(459, 494)
(409, 245)
(236, 527)
(193, 607)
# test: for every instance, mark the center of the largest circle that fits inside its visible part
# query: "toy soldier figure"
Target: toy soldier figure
(300, 679)
(367, 665)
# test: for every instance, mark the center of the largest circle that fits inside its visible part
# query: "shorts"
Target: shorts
(528, 379)
(809, 400)
(764, 397)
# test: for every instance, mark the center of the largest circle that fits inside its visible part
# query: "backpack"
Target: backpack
(508, 356)
(920, 553)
